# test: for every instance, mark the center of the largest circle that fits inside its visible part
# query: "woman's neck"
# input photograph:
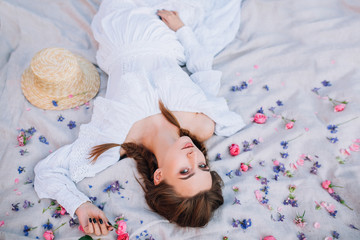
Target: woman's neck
(158, 135)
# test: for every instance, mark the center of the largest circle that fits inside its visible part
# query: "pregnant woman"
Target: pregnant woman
(153, 111)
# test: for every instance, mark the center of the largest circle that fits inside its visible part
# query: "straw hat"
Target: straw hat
(57, 79)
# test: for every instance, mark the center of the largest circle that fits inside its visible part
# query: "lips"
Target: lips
(188, 145)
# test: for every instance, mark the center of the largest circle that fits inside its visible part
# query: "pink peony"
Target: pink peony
(48, 235)
(124, 236)
(339, 108)
(234, 149)
(354, 147)
(62, 211)
(330, 190)
(244, 167)
(269, 238)
(325, 184)
(289, 125)
(121, 227)
(276, 162)
(260, 118)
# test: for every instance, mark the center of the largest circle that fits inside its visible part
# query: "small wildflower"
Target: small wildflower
(266, 87)
(15, 207)
(43, 140)
(284, 154)
(60, 118)
(301, 236)
(54, 103)
(236, 201)
(72, 222)
(229, 174)
(315, 90)
(238, 172)
(300, 220)
(23, 152)
(335, 234)
(235, 189)
(71, 124)
(262, 163)
(353, 227)
(272, 109)
(28, 229)
(333, 139)
(27, 204)
(28, 181)
(101, 206)
(218, 157)
(113, 187)
(326, 83)
(284, 144)
(279, 103)
(21, 169)
(48, 225)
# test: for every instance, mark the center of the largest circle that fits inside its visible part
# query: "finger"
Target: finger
(89, 227)
(97, 231)
(103, 228)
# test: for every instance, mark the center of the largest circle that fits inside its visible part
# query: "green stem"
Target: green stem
(296, 137)
(59, 226)
(347, 121)
(347, 206)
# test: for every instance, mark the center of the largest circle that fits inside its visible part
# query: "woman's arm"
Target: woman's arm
(198, 60)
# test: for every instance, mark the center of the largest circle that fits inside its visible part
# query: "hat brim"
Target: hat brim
(74, 98)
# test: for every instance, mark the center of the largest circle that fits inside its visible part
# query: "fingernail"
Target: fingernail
(94, 220)
(90, 220)
(109, 223)
(101, 221)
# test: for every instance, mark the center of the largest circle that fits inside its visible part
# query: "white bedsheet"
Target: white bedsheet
(289, 46)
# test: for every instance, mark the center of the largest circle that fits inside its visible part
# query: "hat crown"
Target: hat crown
(55, 65)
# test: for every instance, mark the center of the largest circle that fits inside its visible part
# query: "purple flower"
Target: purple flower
(260, 111)
(326, 83)
(246, 146)
(279, 103)
(101, 206)
(284, 144)
(72, 124)
(264, 181)
(43, 140)
(238, 172)
(265, 189)
(92, 199)
(315, 90)
(335, 234)
(284, 155)
(218, 157)
(313, 170)
(236, 201)
(72, 222)
(27, 204)
(15, 207)
(333, 214)
(301, 236)
(333, 140)
(236, 223)
(332, 128)
(22, 152)
(28, 181)
(353, 227)
(60, 118)
(113, 187)
(276, 177)
(316, 164)
(31, 130)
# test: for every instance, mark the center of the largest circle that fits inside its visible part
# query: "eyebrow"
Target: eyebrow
(192, 174)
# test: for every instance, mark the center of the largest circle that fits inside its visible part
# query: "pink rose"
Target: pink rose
(330, 190)
(234, 149)
(289, 125)
(244, 167)
(48, 235)
(276, 162)
(81, 228)
(325, 184)
(20, 140)
(339, 108)
(260, 118)
(62, 211)
(354, 147)
(269, 238)
(124, 236)
(121, 227)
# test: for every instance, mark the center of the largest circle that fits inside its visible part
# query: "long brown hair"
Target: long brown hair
(195, 211)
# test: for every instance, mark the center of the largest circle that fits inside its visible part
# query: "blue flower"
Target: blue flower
(335, 234)
(284, 144)
(26, 230)
(353, 227)
(281, 217)
(31, 130)
(326, 83)
(264, 200)
(272, 109)
(284, 155)
(332, 128)
(333, 140)
(333, 214)
(60, 118)
(236, 201)
(54, 103)
(48, 225)
(92, 199)
(276, 177)
(218, 157)
(266, 87)
(72, 222)
(229, 174)
(101, 206)
(28, 181)
(245, 223)
(260, 110)
(15, 207)
(313, 170)
(256, 142)
(43, 140)
(246, 146)
(316, 164)
(72, 124)
(238, 172)
(235, 223)
(21, 169)
(301, 236)
(316, 90)
(279, 103)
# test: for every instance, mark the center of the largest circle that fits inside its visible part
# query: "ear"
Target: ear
(158, 176)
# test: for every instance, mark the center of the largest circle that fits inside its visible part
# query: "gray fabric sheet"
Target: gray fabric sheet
(289, 46)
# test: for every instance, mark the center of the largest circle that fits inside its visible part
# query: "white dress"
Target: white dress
(141, 56)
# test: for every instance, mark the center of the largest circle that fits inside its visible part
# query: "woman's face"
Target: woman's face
(184, 168)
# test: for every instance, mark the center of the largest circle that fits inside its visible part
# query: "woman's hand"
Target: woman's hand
(171, 19)
(93, 220)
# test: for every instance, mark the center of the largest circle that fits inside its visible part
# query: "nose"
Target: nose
(192, 157)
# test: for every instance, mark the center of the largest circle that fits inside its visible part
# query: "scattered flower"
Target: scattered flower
(27, 204)
(43, 140)
(269, 238)
(333, 139)
(48, 225)
(354, 147)
(2, 223)
(284, 154)
(300, 220)
(339, 107)
(21, 169)
(333, 127)
(60, 118)
(279, 103)
(259, 117)
(54, 103)
(113, 187)
(266, 87)
(335, 234)
(326, 83)
(15, 207)
(234, 149)
(218, 157)
(235, 189)
(301, 236)
(23, 152)
(244, 224)
(72, 124)
(28, 229)
(243, 85)
(236, 201)
(316, 225)
(289, 125)
(25, 135)
(315, 90)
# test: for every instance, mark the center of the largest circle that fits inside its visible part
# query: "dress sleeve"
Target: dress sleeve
(199, 62)
(52, 180)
